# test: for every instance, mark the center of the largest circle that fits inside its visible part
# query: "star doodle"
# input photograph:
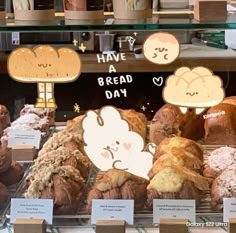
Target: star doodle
(143, 108)
(82, 47)
(76, 108)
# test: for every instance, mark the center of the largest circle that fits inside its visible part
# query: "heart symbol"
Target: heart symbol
(127, 145)
(151, 148)
(105, 154)
(158, 81)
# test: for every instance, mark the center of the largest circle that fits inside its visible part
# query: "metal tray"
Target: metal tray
(143, 218)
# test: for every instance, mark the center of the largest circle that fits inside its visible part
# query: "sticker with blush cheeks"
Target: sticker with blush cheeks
(161, 48)
(109, 143)
(195, 88)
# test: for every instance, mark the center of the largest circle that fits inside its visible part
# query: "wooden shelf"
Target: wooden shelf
(191, 55)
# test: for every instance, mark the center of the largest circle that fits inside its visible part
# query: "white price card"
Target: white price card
(113, 210)
(174, 209)
(31, 209)
(229, 208)
(24, 138)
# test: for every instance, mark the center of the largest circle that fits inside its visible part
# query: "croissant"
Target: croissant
(117, 184)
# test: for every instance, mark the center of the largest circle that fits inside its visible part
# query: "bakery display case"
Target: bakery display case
(189, 148)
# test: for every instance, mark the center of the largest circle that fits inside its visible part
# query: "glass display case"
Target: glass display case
(124, 78)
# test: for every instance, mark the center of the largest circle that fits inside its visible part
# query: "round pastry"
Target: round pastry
(62, 138)
(63, 184)
(5, 159)
(220, 127)
(176, 182)
(3, 194)
(169, 121)
(136, 120)
(4, 117)
(13, 175)
(179, 157)
(217, 161)
(179, 142)
(117, 184)
(224, 186)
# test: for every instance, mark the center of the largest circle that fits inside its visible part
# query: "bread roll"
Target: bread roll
(220, 129)
(169, 121)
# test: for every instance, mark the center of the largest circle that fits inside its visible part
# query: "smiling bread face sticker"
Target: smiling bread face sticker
(109, 143)
(195, 88)
(161, 48)
(45, 66)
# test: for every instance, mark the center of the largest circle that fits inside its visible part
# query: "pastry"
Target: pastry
(168, 121)
(41, 112)
(29, 121)
(63, 184)
(223, 187)
(62, 156)
(62, 138)
(5, 159)
(136, 120)
(117, 184)
(176, 182)
(179, 157)
(217, 161)
(13, 175)
(220, 127)
(3, 194)
(4, 117)
(179, 142)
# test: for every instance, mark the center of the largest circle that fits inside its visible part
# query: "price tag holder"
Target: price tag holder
(113, 210)
(31, 209)
(24, 138)
(174, 209)
(229, 208)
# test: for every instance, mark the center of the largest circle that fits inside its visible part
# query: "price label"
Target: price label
(174, 209)
(24, 138)
(229, 208)
(31, 209)
(113, 210)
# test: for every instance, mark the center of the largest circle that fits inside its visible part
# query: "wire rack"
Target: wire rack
(82, 218)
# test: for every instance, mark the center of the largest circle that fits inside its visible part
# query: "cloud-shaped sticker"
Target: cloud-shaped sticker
(109, 143)
(198, 88)
(44, 64)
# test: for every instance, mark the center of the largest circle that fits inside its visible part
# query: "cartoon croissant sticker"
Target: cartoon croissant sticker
(45, 66)
(109, 143)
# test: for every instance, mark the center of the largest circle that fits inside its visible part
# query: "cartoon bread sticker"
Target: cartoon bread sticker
(117, 146)
(45, 66)
(195, 88)
(161, 48)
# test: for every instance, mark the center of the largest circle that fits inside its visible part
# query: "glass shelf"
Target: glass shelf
(158, 22)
